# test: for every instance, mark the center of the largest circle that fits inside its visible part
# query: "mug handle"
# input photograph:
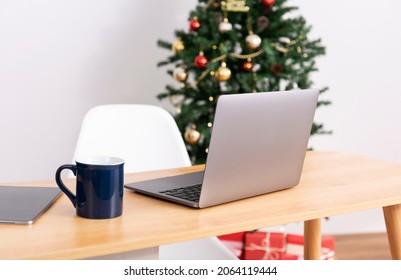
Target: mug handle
(61, 185)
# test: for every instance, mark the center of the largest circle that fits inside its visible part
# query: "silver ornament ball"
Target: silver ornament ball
(225, 26)
(253, 41)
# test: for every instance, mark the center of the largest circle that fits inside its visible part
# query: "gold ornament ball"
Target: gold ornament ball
(223, 73)
(180, 74)
(178, 46)
(253, 41)
(192, 136)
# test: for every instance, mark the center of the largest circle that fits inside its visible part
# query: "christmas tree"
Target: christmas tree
(235, 46)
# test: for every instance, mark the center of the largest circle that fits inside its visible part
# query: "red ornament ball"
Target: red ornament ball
(247, 66)
(194, 24)
(276, 69)
(268, 3)
(200, 61)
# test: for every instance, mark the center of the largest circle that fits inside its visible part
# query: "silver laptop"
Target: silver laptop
(258, 146)
(24, 205)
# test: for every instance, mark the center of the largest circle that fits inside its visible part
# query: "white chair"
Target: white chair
(147, 138)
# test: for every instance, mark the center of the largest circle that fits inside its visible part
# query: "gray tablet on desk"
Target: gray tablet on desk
(23, 205)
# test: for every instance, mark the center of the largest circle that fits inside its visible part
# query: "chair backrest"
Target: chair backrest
(145, 136)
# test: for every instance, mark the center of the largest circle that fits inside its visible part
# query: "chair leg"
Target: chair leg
(312, 239)
(392, 217)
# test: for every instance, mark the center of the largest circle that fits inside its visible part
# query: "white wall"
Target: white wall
(60, 58)
(361, 68)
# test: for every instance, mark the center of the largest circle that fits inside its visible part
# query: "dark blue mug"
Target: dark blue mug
(100, 186)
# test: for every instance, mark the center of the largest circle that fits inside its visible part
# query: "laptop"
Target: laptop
(258, 146)
(24, 205)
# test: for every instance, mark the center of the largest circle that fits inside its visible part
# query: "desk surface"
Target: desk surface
(331, 184)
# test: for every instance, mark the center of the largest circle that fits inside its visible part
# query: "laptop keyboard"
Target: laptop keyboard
(191, 193)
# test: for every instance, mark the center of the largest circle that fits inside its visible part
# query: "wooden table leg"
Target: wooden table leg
(392, 216)
(312, 239)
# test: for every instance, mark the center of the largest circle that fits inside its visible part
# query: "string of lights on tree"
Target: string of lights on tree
(235, 46)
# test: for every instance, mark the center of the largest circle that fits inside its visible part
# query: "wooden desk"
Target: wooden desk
(331, 184)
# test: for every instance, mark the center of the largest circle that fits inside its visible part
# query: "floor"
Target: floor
(362, 247)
